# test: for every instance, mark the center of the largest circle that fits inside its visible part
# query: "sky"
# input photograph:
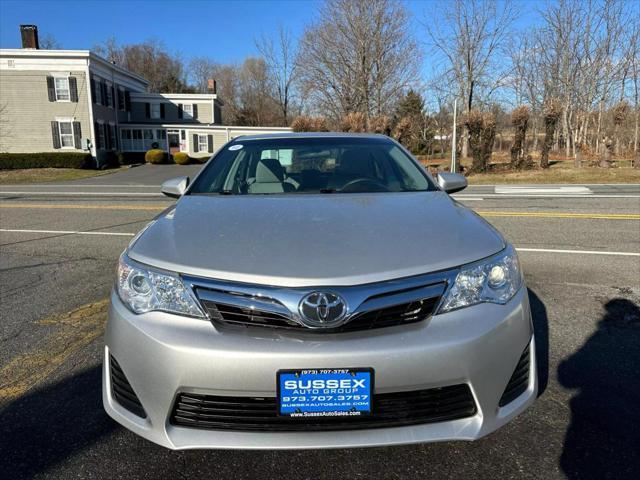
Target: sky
(222, 30)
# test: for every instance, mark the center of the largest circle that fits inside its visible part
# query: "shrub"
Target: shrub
(155, 156)
(130, 158)
(482, 133)
(46, 160)
(181, 158)
(354, 122)
(380, 124)
(301, 123)
(110, 160)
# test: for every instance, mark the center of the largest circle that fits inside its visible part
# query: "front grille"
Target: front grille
(235, 315)
(402, 314)
(122, 391)
(260, 414)
(519, 380)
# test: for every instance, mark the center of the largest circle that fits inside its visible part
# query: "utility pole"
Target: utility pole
(453, 137)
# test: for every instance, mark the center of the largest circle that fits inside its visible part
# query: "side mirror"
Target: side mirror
(175, 187)
(452, 182)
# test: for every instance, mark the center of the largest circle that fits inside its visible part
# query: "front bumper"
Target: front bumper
(164, 354)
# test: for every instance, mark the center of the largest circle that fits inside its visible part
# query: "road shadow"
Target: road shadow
(603, 438)
(541, 333)
(49, 425)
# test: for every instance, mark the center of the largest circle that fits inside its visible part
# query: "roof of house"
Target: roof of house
(66, 54)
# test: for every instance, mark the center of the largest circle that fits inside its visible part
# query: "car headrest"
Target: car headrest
(269, 170)
(355, 161)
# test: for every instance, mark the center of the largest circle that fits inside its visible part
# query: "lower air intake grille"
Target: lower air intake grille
(519, 380)
(260, 414)
(122, 391)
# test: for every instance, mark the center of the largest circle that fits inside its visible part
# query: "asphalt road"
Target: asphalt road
(581, 257)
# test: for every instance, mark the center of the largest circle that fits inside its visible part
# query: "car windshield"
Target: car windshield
(311, 165)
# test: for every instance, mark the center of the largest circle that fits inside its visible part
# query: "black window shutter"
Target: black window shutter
(210, 142)
(162, 110)
(96, 126)
(195, 143)
(147, 110)
(93, 90)
(73, 89)
(55, 134)
(103, 87)
(195, 110)
(107, 137)
(127, 101)
(113, 97)
(180, 110)
(77, 135)
(51, 89)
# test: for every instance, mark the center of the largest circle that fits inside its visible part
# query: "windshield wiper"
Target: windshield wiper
(328, 190)
(226, 192)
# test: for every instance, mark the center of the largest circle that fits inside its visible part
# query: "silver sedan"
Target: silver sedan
(317, 291)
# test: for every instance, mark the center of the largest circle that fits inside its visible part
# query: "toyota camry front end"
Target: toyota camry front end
(317, 291)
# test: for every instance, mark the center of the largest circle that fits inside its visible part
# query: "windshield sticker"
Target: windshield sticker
(235, 147)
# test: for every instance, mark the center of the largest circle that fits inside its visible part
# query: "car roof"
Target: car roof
(271, 136)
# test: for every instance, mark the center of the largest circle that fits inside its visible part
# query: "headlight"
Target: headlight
(145, 290)
(494, 280)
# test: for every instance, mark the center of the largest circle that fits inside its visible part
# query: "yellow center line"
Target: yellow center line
(73, 331)
(484, 213)
(63, 206)
(603, 216)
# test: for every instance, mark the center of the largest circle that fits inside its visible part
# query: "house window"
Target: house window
(187, 108)
(148, 134)
(203, 145)
(109, 92)
(155, 110)
(66, 134)
(62, 89)
(101, 138)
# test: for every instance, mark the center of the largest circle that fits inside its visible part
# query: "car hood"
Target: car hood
(315, 240)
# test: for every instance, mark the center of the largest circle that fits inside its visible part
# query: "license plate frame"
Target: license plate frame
(348, 403)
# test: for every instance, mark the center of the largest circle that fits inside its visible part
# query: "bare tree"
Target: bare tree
(358, 57)
(201, 70)
(164, 71)
(470, 35)
(49, 42)
(282, 67)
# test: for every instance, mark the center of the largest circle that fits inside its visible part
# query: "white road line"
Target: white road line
(579, 252)
(543, 189)
(520, 249)
(549, 195)
(67, 232)
(88, 194)
(62, 185)
(468, 199)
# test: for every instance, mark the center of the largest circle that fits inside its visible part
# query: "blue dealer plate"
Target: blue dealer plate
(332, 392)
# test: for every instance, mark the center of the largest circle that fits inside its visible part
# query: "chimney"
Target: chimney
(29, 35)
(211, 85)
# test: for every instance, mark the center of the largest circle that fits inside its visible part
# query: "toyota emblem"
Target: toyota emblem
(322, 310)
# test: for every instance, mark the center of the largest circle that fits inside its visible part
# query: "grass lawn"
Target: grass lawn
(559, 174)
(42, 175)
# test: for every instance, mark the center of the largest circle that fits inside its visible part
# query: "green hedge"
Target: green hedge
(46, 160)
(155, 156)
(181, 158)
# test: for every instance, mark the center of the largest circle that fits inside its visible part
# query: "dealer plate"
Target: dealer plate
(333, 392)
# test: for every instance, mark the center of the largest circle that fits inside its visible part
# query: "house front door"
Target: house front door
(174, 141)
